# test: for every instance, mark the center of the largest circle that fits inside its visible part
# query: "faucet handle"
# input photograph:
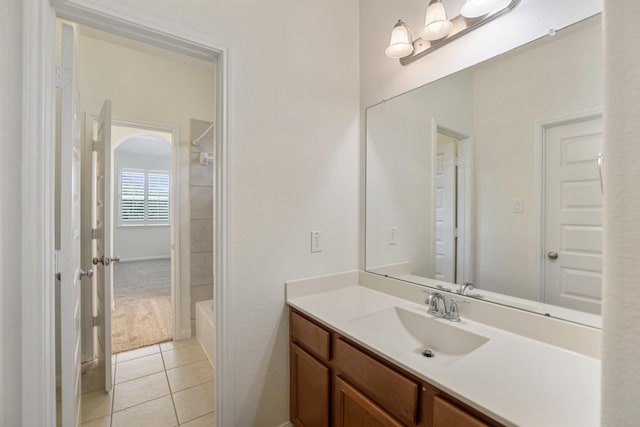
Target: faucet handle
(454, 314)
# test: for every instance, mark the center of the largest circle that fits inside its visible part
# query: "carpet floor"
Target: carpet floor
(142, 313)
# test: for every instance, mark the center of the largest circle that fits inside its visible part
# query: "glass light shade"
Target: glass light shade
(477, 8)
(401, 44)
(436, 24)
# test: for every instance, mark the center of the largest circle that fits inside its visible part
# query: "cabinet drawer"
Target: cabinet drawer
(446, 414)
(310, 336)
(391, 390)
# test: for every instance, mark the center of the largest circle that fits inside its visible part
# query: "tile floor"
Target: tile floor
(168, 384)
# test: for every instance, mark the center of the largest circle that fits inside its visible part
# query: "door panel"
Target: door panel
(445, 206)
(102, 237)
(70, 280)
(573, 216)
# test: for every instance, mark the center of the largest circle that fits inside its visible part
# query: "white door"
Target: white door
(101, 242)
(69, 257)
(445, 209)
(573, 218)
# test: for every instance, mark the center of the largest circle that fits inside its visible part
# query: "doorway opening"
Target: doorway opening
(141, 227)
(147, 230)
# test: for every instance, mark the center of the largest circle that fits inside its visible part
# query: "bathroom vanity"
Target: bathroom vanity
(366, 387)
(357, 357)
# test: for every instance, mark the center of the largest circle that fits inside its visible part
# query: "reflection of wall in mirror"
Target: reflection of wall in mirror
(400, 175)
(553, 80)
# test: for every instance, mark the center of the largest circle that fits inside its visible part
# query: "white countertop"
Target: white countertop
(513, 379)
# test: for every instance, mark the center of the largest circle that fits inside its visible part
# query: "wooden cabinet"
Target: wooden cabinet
(335, 382)
(310, 390)
(446, 414)
(354, 409)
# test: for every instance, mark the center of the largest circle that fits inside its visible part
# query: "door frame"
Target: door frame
(464, 196)
(540, 128)
(38, 180)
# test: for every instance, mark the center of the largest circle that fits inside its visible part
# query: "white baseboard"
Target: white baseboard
(287, 424)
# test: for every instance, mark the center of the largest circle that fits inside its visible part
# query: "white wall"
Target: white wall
(139, 242)
(295, 159)
(556, 79)
(621, 317)
(10, 212)
(151, 87)
(400, 156)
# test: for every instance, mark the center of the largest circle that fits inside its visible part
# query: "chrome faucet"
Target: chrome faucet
(435, 300)
(463, 288)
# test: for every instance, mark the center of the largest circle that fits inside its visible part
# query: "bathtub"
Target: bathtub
(205, 330)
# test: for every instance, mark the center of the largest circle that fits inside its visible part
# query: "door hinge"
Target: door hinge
(94, 233)
(455, 232)
(56, 266)
(94, 145)
(95, 321)
(63, 77)
(456, 161)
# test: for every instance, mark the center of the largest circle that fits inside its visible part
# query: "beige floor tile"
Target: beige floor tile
(140, 390)
(95, 404)
(183, 356)
(155, 413)
(172, 345)
(140, 367)
(190, 375)
(100, 422)
(208, 420)
(139, 352)
(194, 402)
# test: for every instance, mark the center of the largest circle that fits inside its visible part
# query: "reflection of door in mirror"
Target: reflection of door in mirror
(445, 207)
(572, 256)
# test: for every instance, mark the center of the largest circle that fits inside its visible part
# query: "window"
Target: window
(144, 197)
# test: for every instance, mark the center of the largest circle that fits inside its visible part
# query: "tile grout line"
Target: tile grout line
(175, 411)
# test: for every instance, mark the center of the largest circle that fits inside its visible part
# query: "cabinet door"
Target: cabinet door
(353, 409)
(446, 414)
(310, 390)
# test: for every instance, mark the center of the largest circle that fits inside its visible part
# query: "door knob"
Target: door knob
(88, 273)
(552, 255)
(106, 260)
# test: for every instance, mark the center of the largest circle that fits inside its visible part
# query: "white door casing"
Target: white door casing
(70, 220)
(102, 238)
(445, 209)
(572, 247)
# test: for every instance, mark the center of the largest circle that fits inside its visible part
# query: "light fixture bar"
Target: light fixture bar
(461, 26)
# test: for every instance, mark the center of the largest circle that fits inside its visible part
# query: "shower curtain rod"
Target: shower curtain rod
(196, 141)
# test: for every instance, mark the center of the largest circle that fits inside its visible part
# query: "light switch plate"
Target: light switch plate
(517, 206)
(316, 241)
(393, 236)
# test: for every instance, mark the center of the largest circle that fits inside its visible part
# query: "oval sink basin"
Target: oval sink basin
(396, 328)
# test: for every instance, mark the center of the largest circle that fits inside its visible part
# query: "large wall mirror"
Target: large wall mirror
(490, 176)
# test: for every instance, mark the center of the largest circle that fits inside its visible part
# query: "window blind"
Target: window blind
(158, 197)
(132, 186)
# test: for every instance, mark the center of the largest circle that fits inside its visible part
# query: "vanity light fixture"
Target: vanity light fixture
(436, 24)
(477, 8)
(438, 30)
(401, 43)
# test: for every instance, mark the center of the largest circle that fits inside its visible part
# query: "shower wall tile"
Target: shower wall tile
(200, 174)
(201, 235)
(200, 293)
(201, 202)
(201, 268)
